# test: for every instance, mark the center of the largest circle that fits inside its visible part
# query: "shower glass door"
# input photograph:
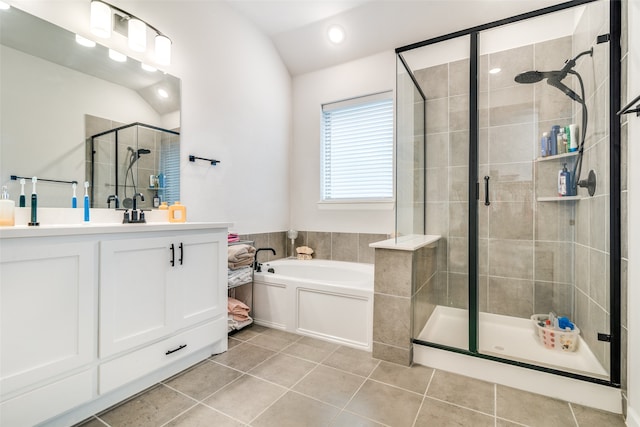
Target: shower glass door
(542, 255)
(441, 70)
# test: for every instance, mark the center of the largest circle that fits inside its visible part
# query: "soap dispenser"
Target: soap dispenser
(7, 209)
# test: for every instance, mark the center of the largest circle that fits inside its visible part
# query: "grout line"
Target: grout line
(424, 396)
(495, 404)
(181, 413)
(573, 414)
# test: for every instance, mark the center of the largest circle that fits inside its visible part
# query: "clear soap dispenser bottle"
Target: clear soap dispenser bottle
(7, 209)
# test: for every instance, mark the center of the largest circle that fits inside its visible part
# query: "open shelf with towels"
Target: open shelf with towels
(240, 290)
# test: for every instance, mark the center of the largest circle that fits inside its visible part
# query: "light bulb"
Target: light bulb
(163, 50)
(137, 34)
(101, 19)
(336, 34)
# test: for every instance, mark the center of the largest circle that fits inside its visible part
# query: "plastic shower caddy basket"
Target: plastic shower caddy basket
(555, 338)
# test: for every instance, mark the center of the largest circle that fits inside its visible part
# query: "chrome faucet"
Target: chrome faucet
(135, 196)
(135, 217)
(257, 266)
(113, 198)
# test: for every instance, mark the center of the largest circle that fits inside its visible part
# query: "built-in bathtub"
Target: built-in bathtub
(330, 300)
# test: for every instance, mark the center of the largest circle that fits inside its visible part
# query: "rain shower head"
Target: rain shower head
(535, 76)
(143, 151)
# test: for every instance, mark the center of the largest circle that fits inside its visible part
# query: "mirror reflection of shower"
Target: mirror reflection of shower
(133, 158)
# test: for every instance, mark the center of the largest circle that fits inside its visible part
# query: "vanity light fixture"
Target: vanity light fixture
(117, 56)
(4, 6)
(336, 34)
(102, 24)
(84, 42)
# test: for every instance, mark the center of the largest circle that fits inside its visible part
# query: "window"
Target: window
(357, 149)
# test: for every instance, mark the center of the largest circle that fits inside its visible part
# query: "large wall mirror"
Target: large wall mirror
(70, 113)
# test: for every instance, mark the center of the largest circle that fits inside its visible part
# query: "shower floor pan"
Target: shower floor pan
(509, 338)
(513, 338)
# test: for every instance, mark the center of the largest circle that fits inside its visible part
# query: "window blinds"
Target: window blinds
(357, 149)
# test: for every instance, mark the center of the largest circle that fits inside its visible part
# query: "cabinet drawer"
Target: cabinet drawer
(134, 365)
(45, 402)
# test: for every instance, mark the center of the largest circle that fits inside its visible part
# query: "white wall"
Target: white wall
(633, 375)
(236, 106)
(361, 77)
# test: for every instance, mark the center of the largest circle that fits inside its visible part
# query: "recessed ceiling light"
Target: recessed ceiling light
(495, 70)
(84, 42)
(4, 6)
(149, 68)
(336, 34)
(163, 93)
(117, 56)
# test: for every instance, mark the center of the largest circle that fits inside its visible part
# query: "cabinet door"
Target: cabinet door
(47, 309)
(199, 279)
(134, 294)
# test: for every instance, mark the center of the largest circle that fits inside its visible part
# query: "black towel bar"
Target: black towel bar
(194, 158)
(627, 108)
(15, 178)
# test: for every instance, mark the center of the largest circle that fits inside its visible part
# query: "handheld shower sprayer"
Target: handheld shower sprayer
(554, 78)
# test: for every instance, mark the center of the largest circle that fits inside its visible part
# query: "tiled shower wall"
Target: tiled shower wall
(525, 247)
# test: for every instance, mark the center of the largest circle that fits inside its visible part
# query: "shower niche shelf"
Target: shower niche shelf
(559, 199)
(557, 156)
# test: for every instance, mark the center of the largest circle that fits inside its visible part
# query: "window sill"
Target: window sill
(356, 205)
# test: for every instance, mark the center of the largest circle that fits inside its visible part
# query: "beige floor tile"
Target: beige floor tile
(593, 417)
(504, 423)
(463, 391)
(295, 410)
(330, 385)
(311, 349)
(245, 398)
(232, 342)
(203, 380)
(532, 409)
(442, 414)
(152, 408)
(243, 357)
(248, 333)
(414, 378)
(347, 419)
(348, 359)
(385, 404)
(276, 340)
(283, 370)
(202, 416)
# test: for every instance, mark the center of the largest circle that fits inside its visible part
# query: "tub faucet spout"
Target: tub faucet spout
(257, 266)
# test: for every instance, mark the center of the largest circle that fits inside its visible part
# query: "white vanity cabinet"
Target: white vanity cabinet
(48, 315)
(152, 287)
(92, 315)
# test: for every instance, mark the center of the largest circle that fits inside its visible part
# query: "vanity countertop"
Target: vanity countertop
(103, 228)
(69, 222)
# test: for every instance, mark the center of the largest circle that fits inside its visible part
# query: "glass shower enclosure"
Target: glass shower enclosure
(133, 159)
(523, 209)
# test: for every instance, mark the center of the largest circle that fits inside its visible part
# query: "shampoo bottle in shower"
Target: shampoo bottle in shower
(544, 144)
(564, 181)
(555, 130)
(7, 209)
(573, 136)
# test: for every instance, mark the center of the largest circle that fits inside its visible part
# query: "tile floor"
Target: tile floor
(274, 378)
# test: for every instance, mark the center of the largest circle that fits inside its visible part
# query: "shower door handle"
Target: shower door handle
(486, 191)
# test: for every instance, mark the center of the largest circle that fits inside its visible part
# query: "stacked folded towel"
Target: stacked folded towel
(240, 256)
(233, 237)
(304, 252)
(239, 276)
(238, 310)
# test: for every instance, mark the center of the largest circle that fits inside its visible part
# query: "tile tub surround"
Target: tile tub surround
(330, 385)
(336, 246)
(405, 279)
